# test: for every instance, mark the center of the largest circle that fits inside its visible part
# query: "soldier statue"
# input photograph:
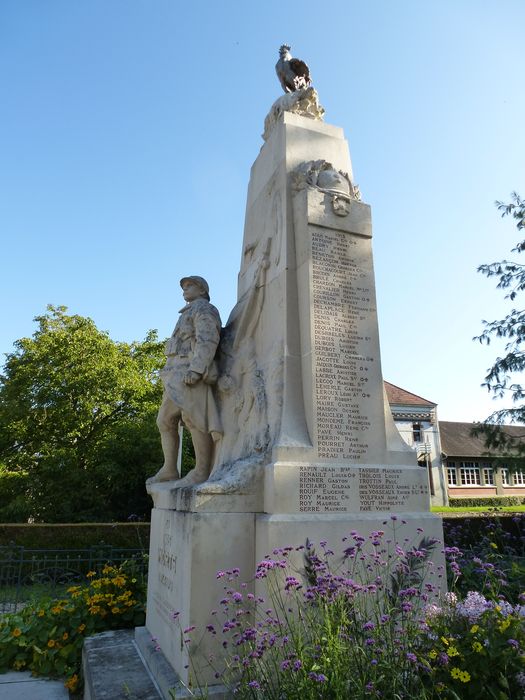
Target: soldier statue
(188, 377)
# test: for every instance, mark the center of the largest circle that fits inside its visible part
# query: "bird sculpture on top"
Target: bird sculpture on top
(293, 73)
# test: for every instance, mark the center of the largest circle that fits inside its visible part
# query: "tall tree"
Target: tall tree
(77, 419)
(503, 378)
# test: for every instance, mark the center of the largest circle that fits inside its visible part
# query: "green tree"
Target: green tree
(503, 378)
(77, 421)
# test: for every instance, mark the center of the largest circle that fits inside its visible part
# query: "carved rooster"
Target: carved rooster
(293, 73)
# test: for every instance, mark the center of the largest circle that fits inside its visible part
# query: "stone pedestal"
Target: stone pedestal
(187, 550)
(310, 449)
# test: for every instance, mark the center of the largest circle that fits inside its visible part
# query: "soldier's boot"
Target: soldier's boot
(203, 446)
(170, 447)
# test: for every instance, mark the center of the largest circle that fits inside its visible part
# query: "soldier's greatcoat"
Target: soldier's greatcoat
(192, 347)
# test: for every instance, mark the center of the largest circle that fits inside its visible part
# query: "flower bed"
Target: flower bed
(369, 626)
(46, 637)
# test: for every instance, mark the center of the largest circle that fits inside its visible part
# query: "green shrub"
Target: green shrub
(76, 535)
(46, 637)
(13, 487)
(492, 502)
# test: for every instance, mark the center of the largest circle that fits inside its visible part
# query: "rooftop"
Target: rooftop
(398, 396)
(457, 439)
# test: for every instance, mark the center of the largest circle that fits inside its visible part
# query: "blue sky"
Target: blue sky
(128, 129)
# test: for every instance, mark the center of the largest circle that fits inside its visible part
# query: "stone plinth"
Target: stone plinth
(186, 552)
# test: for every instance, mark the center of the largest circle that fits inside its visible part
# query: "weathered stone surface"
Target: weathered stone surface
(187, 549)
(113, 669)
(22, 685)
(304, 102)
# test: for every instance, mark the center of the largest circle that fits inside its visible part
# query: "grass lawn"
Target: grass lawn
(479, 509)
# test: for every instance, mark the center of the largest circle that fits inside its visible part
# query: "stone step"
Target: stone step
(124, 665)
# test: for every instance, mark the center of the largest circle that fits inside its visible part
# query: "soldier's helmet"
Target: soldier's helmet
(200, 282)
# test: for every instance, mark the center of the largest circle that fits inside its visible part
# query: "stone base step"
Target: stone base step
(123, 665)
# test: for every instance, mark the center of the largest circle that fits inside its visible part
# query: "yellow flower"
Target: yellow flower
(493, 545)
(445, 641)
(19, 664)
(41, 613)
(51, 643)
(452, 651)
(504, 624)
(16, 632)
(474, 629)
(90, 574)
(119, 581)
(477, 647)
(455, 673)
(81, 627)
(65, 636)
(115, 610)
(433, 654)
(133, 580)
(72, 683)
(72, 589)
(464, 676)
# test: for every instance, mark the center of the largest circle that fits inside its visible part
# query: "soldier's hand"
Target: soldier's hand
(191, 377)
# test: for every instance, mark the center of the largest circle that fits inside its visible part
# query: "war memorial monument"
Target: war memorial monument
(292, 431)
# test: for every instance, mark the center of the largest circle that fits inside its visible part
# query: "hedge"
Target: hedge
(491, 502)
(76, 535)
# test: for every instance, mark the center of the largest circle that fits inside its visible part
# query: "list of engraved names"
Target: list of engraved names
(342, 306)
(334, 489)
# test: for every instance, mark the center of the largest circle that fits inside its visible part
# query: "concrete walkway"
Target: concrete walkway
(21, 685)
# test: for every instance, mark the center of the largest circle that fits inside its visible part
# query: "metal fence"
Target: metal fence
(30, 573)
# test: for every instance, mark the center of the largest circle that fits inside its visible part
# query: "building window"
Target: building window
(470, 474)
(452, 476)
(518, 478)
(505, 477)
(417, 432)
(488, 476)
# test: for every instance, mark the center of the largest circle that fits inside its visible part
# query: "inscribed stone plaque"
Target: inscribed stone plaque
(345, 357)
(327, 488)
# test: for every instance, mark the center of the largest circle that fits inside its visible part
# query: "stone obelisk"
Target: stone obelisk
(309, 447)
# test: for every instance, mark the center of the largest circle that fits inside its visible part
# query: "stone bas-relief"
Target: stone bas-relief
(242, 386)
(188, 377)
(304, 102)
(326, 178)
